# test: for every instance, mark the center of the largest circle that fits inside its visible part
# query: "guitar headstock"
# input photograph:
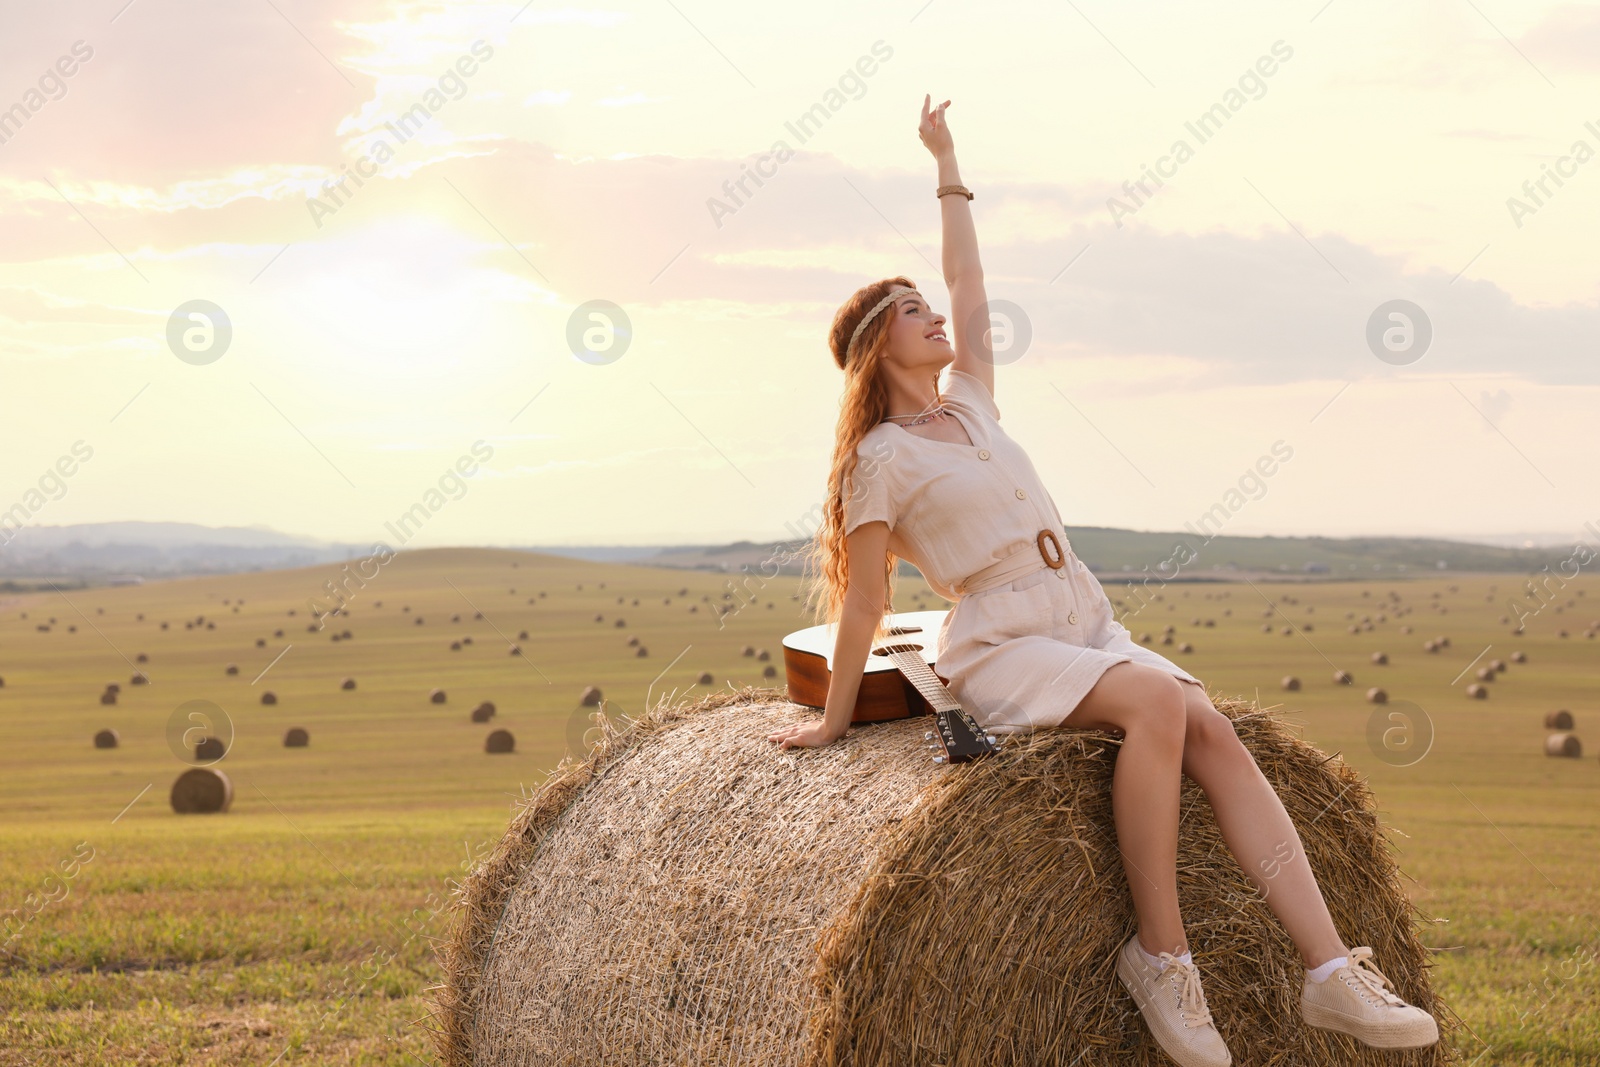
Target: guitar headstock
(962, 739)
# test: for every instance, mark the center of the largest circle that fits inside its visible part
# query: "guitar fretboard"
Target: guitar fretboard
(915, 668)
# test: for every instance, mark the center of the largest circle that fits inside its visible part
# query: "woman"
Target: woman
(1032, 640)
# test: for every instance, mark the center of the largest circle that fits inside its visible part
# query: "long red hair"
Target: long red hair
(864, 404)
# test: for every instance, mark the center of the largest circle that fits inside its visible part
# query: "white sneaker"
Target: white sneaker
(1173, 1006)
(1357, 1000)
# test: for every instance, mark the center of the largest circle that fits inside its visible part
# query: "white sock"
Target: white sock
(1325, 972)
(1160, 964)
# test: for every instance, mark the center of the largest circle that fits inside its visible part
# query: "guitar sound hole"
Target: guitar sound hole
(887, 649)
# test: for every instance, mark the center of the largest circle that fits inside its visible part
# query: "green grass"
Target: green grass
(298, 924)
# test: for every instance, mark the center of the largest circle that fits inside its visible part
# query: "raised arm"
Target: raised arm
(963, 273)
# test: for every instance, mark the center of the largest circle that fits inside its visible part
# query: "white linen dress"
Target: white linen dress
(1018, 655)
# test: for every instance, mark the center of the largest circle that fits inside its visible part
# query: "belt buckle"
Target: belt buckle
(1060, 558)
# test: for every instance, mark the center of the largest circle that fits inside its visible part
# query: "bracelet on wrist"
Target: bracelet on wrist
(945, 190)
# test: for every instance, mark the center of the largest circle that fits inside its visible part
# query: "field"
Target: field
(297, 927)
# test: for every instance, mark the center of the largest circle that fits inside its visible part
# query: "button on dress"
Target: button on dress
(1019, 655)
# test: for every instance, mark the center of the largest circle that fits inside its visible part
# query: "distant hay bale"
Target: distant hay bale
(201, 791)
(499, 741)
(1430, 646)
(418, 621)
(690, 894)
(1380, 658)
(522, 635)
(269, 697)
(642, 652)
(141, 658)
(1558, 720)
(704, 679)
(1291, 683)
(1342, 678)
(467, 640)
(1377, 696)
(591, 697)
(232, 668)
(295, 737)
(1145, 638)
(483, 712)
(1485, 674)
(747, 650)
(620, 623)
(107, 738)
(436, 696)
(275, 633)
(1497, 665)
(1519, 657)
(455, 646)
(1563, 745)
(347, 683)
(633, 640)
(113, 687)
(763, 655)
(515, 651)
(1186, 647)
(108, 697)
(1477, 692)
(210, 749)
(138, 678)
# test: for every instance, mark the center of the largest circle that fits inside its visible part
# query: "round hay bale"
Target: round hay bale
(1186, 647)
(269, 697)
(455, 646)
(108, 697)
(704, 679)
(1291, 683)
(633, 641)
(1145, 638)
(140, 658)
(483, 712)
(522, 635)
(1377, 696)
(769, 671)
(763, 655)
(436, 696)
(1563, 745)
(515, 651)
(138, 679)
(232, 668)
(620, 623)
(295, 737)
(1558, 720)
(692, 894)
(1485, 674)
(347, 683)
(261, 642)
(467, 640)
(1519, 657)
(107, 738)
(202, 791)
(1477, 692)
(499, 741)
(210, 749)
(1497, 665)
(747, 650)
(1380, 658)
(642, 652)
(113, 687)
(591, 696)
(1342, 678)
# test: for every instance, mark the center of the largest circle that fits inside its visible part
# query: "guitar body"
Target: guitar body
(886, 692)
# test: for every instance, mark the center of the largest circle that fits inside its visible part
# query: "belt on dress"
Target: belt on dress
(1025, 560)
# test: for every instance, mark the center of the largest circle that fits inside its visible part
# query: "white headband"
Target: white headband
(893, 295)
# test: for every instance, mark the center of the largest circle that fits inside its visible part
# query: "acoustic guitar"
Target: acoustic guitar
(898, 681)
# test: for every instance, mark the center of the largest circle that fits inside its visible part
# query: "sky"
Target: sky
(306, 265)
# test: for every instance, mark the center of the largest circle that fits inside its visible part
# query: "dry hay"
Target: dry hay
(201, 790)
(690, 894)
(348, 683)
(210, 749)
(1563, 745)
(296, 737)
(107, 738)
(1558, 720)
(483, 712)
(499, 741)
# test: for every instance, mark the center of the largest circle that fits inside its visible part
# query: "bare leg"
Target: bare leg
(1258, 830)
(1146, 705)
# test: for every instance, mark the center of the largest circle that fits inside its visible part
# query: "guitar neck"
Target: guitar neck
(916, 669)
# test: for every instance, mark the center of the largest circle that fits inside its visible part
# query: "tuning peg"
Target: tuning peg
(941, 759)
(927, 735)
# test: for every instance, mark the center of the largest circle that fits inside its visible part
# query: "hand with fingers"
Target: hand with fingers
(933, 130)
(807, 735)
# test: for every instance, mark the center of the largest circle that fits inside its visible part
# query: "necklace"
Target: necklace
(919, 419)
